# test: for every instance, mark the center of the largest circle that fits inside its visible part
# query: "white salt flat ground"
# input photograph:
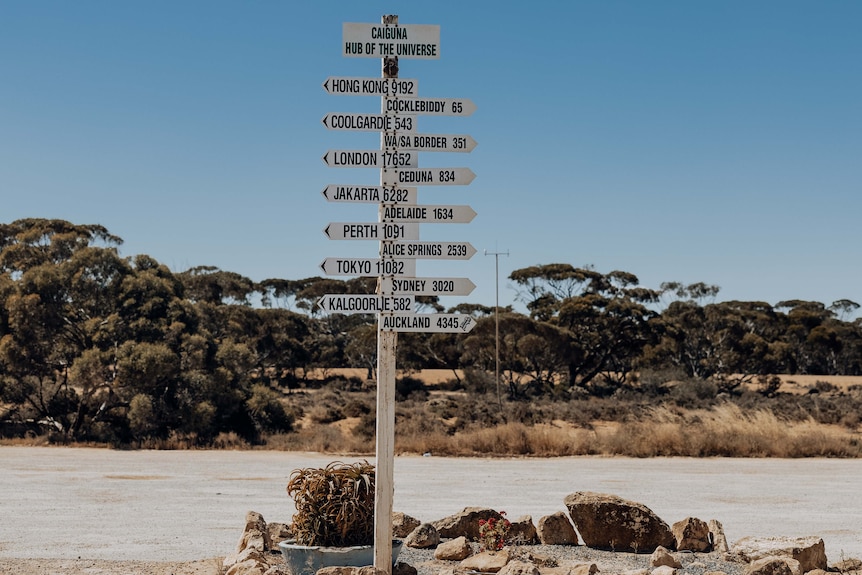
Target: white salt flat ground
(185, 505)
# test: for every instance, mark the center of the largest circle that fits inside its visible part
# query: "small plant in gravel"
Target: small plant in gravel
(493, 532)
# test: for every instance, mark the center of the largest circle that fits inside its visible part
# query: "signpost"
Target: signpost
(427, 286)
(430, 142)
(399, 217)
(365, 303)
(380, 41)
(427, 214)
(428, 250)
(427, 322)
(371, 159)
(371, 86)
(369, 194)
(368, 267)
(371, 231)
(435, 176)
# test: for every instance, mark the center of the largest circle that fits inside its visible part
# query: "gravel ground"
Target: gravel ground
(607, 562)
(82, 511)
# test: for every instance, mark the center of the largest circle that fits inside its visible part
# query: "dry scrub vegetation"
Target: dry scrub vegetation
(683, 418)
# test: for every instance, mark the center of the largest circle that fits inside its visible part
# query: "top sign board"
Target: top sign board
(380, 40)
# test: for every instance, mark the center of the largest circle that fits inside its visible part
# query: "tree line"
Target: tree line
(95, 346)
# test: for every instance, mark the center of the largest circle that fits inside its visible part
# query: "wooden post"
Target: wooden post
(387, 342)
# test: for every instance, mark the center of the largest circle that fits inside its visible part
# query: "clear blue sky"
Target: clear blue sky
(715, 141)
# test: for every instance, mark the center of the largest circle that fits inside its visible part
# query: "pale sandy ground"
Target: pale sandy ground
(73, 508)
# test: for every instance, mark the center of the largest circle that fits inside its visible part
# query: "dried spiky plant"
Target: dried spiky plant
(334, 504)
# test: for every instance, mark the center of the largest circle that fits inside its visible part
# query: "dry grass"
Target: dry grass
(723, 431)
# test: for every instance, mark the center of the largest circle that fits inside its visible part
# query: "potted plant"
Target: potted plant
(334, 520)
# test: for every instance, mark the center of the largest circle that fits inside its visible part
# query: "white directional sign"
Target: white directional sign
(378, 231)
(371, 86)
(428, 250)
(369, 194)
(371, 159)
(435, 176)
(365, 303)
(380, 40)
(369, 122)
(428, 322)
(427, 214)
(428, 106)
(427, 286)
(368, 267)
(429, 142)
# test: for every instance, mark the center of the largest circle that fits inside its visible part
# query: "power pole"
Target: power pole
(497, 319)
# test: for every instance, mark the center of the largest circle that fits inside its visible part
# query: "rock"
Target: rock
(817, 572)
(810, 552)
(276, 533)
(453, 550)
(518, 567)
(402, 568)
(403, 525)
(774, 566)
(423, 537)
(277, 570)
(663, 570)
(636, 572)
(523, 532)
(465, 523)
(537, 559)
(583, 569)
(556, 529)
(486, 561)
(847, 565)
(610, 522)
(254, 534)
(661, 557)
(249, 567)
(251, 556)
(691, 534)
(716, 534)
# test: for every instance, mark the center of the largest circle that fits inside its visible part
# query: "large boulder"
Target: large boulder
(610, 522)
(810, 552)
(464, 523)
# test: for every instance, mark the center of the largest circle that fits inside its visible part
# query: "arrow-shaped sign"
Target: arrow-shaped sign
(369, 194)
(365, 303)
(368, 267)
(435, 176)
(369, 122)
(372, 231)
(430, 142)
(428, 106)
(428, 250)
(371, 86)
(371, 159)
(427, 286)
(428, 322)
(427, 214)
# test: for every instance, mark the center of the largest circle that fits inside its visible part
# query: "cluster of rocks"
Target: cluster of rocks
(601, 521)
